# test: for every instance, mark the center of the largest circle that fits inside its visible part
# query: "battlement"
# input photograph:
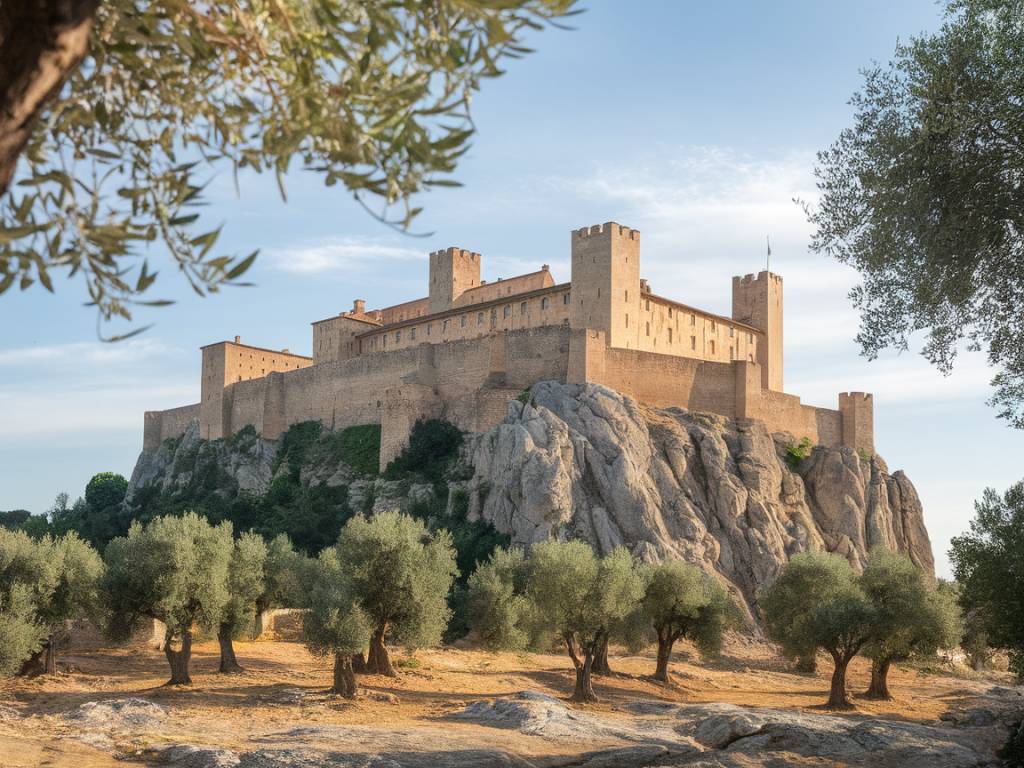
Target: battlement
(456, 252)
(607, 229)
(754, 278)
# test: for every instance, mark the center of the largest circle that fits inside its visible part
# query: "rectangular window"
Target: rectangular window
(544, 303)
(565, 298)
(712, 346)
(429, 326)
(669, 335)
(627, 295)
(670, 312)
(444, 327)
(627, 320)
(648, 329)
(732, 355)
(479, 318)
(750, 338)
(693, 342)
(648, 305)
(522, 308)
(693, 319)
(412, 334)
(714, 327)
(398, 336)
(462, 321)
(731, 329)
(507, 310)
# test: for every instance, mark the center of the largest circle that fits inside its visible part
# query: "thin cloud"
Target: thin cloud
(341, 255)
(131, 351)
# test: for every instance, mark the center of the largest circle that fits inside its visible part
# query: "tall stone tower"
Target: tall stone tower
(757, 301)
(453, 271)
(606, 282)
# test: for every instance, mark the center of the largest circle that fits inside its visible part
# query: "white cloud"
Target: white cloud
(91, 352)
(342, 255)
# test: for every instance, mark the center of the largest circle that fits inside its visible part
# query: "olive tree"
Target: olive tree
(496, 605)
(401, 575)
(680, 601)
(122, 110)
(77, 568)
(816, 603)
(583, 599)
(27, 576)
(175, 570)
(913, 618)
(246, 584)
(335, 624)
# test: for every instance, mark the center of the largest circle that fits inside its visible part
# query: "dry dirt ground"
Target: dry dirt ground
(284, 689)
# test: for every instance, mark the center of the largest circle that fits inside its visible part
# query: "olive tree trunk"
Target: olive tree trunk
(665, 643)
(601, 666)
(584, 690)
(33, 665)
(344, 676)
(41, 43)
(879, 687)
(228, 661)
(837, 698)
(179, 659)
(359, 663)
(378, 661)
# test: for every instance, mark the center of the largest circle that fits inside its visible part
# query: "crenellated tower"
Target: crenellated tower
(606, 282)
(757, 301)
(453, 271)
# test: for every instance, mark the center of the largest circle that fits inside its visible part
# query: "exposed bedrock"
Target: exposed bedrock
(584, 461)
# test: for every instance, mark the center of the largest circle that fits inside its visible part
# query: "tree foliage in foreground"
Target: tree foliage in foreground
(815, 603)
(680, 601)
(583, 599)
(401, 575)
(988, 562)
(174, 569)
(247, 582)
(115, 153)
(497, 609)
(924, 195)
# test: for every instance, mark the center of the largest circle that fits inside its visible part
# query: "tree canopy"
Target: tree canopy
(247, 583)
(121, 111)
(27, 575)
(496, 604)
(174, 569)
(988, 562)
(401, 575)
(924, 196)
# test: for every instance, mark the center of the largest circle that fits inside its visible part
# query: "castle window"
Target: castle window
(648, 329)
(750, 358)
(669, 335)
(398, 336)
(731, 330)
(693, 342)
(732, 354)
(444, 327)
(714, 326)
(462, 322)
(479, 318)
(384, 340)
(522, 308)
(648, 305)
(627, 320)
(712, 347)
(750, 338)
(507, 310)
(627, 295)
(429, 326)
(693, 319)
(544, 303)
(670, 312)
(412, 334)
(565, 298)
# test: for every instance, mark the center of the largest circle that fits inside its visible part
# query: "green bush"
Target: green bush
(432, 445)
(296, 444)
(360, 448)
(797, 452)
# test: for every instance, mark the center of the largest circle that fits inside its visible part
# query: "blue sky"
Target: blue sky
(695, 123)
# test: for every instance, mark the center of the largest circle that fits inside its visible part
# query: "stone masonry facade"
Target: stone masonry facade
(469, 346)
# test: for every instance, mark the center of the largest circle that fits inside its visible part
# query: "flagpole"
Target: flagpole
(768, 258)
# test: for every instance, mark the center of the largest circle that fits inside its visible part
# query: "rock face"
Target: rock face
(582, 461)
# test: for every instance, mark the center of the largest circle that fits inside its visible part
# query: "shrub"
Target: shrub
(797, 452)
(432, 445)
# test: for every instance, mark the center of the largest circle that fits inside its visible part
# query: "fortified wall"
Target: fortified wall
(462, 352)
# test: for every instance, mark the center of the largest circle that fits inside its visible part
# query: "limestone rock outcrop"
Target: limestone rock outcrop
(583, 461)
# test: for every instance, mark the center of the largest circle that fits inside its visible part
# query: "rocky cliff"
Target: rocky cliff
(584, 461)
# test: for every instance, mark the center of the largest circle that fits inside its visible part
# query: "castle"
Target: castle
(467, 348)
